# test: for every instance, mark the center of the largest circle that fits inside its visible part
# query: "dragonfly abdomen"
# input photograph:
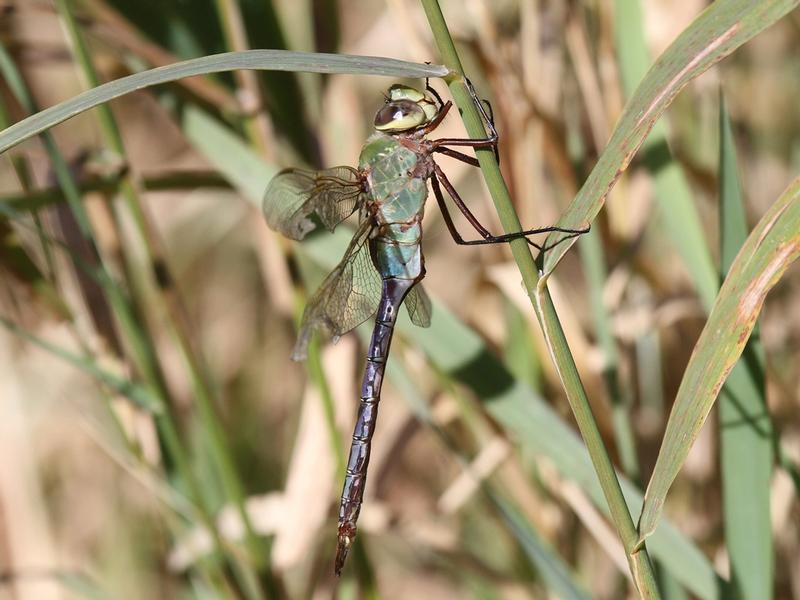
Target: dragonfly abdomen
(393, 293)
(397, 251)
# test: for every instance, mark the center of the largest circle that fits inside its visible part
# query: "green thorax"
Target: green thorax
(399, 196)
(398, 201)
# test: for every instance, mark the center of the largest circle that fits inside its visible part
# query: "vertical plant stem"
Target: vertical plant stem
(638, 559)
(20, 167)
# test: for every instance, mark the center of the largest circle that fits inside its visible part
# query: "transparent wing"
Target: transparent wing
(419, 306)
(349, 295)
(293, 194)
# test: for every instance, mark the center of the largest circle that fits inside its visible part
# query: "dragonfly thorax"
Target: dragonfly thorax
(396, 203)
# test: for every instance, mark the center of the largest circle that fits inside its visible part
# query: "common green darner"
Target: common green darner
(383, 265)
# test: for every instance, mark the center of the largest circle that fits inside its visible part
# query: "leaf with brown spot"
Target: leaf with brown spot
(770, 248)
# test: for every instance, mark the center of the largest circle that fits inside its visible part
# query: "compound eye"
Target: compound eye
(400, 115)
(403, 92)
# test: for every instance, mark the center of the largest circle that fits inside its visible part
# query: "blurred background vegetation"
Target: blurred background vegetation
(155, 438)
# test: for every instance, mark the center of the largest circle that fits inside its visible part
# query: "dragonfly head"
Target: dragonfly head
(406, 109)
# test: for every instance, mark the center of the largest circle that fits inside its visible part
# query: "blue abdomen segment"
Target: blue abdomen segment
(397, 251)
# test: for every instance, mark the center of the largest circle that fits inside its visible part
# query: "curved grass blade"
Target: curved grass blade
(714, 34)
(772, 246)
(261, 60)
(677, 210)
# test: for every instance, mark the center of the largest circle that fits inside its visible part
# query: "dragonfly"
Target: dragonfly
(383, 264)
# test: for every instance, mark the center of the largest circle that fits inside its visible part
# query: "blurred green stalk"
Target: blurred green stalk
(155, 259)
(141, 345)
(745, 430)
(675, 200)
(593, 258)
(639, 561)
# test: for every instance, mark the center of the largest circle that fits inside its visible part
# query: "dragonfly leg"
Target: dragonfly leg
(488, 238)
(433, 92)
(490, 109)
(448, 220)
(488, 142)
(465, 158)
(438, 119)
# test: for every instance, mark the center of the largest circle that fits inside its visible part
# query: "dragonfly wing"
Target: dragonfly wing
(349, 295)
(419, 306)
(293, 194)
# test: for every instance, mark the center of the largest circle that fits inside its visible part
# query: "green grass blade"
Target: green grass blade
(134, 392)
(762, 260)
(714, 34)
(30, 201)
(519, 352)
(550, 567)
(263, 60)
(675, 200)
(746, 435)
(593, 257)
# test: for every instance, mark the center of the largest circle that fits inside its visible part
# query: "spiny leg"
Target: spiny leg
(448, 220)
(488, 238)
(437, 147)
(490, 109)
(451, 227)
(491, 141)
(487, 142)
(466, 158)
(490, 120)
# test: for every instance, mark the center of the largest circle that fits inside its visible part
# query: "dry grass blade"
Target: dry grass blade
(772, 246)
(718, 31)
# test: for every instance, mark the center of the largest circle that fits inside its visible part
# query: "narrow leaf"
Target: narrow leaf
(551, 568)
(772, 246)
(135, 392)
(746, 435)
(713, 35)
(677, 209)
(262, 60)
